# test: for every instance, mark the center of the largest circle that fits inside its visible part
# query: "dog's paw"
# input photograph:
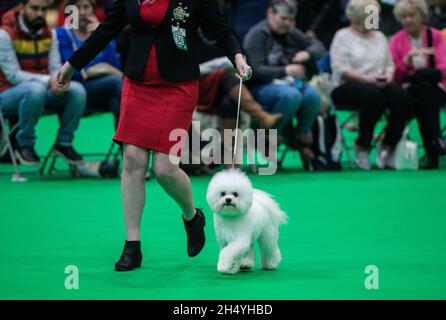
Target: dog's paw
(246, 264)
(270, 263)
(231, 267)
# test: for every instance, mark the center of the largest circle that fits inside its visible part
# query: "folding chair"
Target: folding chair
(16, 176)
(51, 157)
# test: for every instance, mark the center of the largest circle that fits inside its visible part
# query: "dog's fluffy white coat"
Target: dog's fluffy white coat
(242, 216)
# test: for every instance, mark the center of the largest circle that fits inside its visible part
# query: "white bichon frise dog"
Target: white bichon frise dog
(242, 216)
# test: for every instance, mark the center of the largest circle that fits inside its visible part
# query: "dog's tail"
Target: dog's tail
(267, 200)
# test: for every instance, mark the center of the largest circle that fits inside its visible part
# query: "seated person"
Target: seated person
(420, 61)
(279, 54)
(364, 82)
(29, 62)
(219, 90)
(102, 78)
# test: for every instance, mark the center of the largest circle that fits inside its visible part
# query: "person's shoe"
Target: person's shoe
(440, 146)
(195, 233)
(430, 163)
(362, 159)
(131, 257)
(27, 156)
(68, 153)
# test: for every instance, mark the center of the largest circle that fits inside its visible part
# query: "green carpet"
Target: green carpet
(339, 224)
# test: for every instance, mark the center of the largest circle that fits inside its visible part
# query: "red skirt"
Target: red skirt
(153, 108)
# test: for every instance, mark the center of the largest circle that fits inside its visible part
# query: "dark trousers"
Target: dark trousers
(426, 102)
(371, 102)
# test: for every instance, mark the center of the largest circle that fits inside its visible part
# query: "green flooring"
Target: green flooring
(339, 224)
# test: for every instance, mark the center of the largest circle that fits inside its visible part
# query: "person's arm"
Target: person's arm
(313, 46)
(403, 66)
(113, 24)
(10, 65)
(440, 53)
(215, 26)
(256, 46)
(54, 59)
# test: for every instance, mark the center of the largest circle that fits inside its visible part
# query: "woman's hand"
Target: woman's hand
(301, 57)
(244, 71)
(64, 76)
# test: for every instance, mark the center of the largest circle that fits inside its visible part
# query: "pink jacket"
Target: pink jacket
(400, 46)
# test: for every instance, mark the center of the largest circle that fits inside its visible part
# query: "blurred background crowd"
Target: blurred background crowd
(310, 59)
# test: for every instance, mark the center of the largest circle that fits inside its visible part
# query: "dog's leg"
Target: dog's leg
(270, 253)
(248, 260)
(230, 256)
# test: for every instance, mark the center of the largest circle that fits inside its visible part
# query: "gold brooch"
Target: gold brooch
(180, 13)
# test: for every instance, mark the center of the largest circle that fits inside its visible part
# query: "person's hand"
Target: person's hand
(54, 87)
(428, 51)
(295, 70)
(64, 76)
(301, 56)
(93, 23)
(244, 71)
(311, 34)
(370, 80)
(383, 80)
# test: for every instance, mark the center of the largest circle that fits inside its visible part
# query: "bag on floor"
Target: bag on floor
(327, 144)
(406, 154)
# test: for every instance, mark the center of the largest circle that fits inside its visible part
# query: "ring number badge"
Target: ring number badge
(180, 15)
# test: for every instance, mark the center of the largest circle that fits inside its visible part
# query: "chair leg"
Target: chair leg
(16, 177)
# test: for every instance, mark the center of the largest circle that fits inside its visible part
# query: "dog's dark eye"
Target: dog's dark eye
(235, 194)
(223, 194)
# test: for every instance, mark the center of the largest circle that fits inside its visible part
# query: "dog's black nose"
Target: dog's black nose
(228, 200)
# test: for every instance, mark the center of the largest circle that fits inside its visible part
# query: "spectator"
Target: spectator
(100, 11)
(279, 54)
(219, 89)
(29, 62)
(419, 53)
(363, 76)
(102, 78)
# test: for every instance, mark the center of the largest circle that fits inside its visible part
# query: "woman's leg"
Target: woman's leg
(133, 188)
(278, 98)
(426, 109)
(175, 182)
(398, 101)
(370, 101)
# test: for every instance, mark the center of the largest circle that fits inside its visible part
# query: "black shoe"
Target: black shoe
(131, 257)
(68, 153)
(440, 146)
(27, 156)
(195, 233)
(430, 163)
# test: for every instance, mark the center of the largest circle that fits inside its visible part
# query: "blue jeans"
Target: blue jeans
(105, 94)
(29, 100)
(290, 102)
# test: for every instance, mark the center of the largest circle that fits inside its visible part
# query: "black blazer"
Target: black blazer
(174, 64)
